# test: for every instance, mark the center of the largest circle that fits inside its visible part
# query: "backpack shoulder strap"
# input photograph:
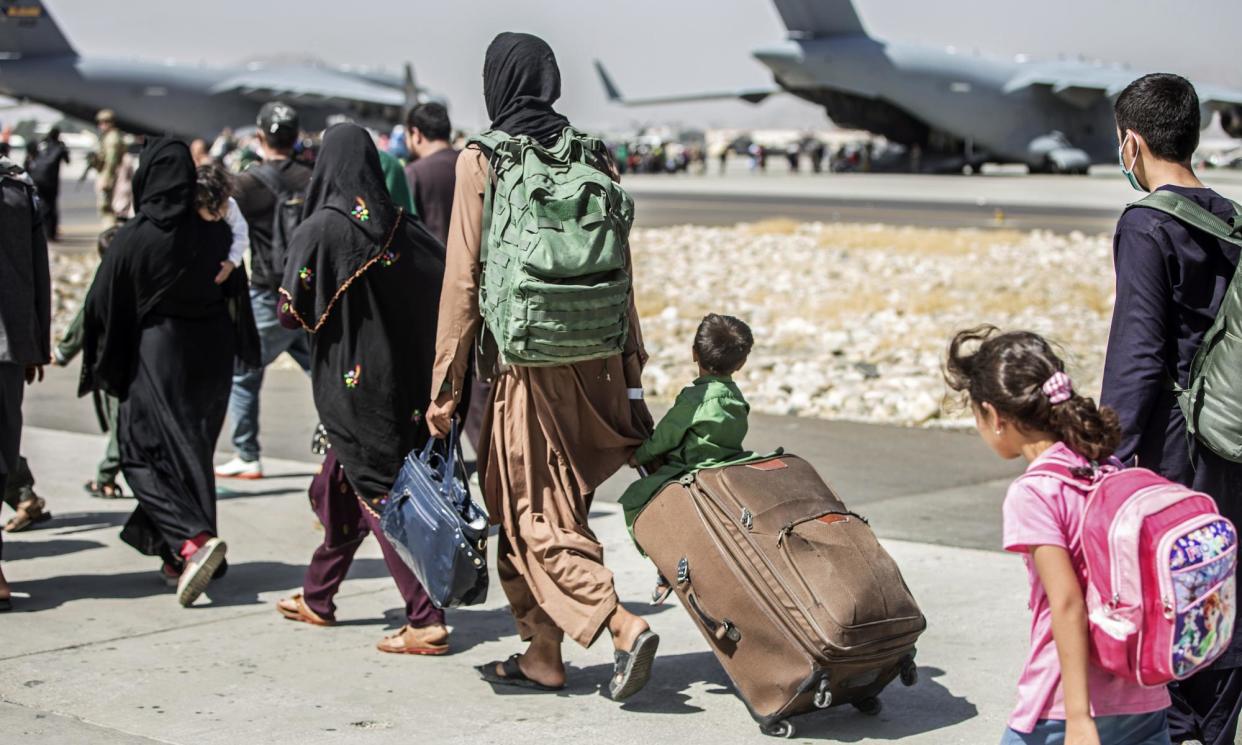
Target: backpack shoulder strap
(267, 176)
(489, 141)
(1065, 475)
(1189, 212)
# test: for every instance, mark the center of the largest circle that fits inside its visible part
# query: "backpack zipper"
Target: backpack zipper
(1130, 512)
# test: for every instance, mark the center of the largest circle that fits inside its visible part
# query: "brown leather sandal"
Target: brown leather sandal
(295, 609)
(428, 640)
(29, 513)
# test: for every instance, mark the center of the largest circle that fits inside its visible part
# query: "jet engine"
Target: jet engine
(1231, 121)
(1053, 153)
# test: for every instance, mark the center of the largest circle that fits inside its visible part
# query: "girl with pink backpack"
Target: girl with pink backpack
(1132, 576)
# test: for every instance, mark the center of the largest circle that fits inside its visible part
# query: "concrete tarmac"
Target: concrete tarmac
(98, 651)
(935, 486)
(1090, 204)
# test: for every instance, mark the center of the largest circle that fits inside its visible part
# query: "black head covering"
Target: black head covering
(520, 83)
(369, 292)
(348, 178)
(145, 260)
(347, 223)
(164, 183)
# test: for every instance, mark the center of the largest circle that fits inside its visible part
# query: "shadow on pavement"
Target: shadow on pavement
(926, 707)
(223, 492)
(474, 627)
(245, 582)
(18, 550)
(671, 676)
(241, 586)
(68, 523)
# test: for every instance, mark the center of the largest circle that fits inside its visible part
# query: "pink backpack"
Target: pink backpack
(1160, 573)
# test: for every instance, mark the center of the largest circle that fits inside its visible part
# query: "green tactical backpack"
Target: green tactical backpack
(555, 287)
(1212, 398)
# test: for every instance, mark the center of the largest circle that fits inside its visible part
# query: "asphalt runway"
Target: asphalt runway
(658, 210)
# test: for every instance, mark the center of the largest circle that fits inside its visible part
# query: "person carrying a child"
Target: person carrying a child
(161, 334)
(707, 423)
(1025, 405)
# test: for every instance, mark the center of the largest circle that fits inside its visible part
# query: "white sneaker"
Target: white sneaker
(199, 569)
(241, 469)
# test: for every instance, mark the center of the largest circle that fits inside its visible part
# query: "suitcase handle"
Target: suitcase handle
(722, 629)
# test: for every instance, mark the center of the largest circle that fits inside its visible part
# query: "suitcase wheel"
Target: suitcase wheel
(870, 706)
(909, 673)
(784, 728)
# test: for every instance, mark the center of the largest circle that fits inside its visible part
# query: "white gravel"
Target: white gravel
(851, 321)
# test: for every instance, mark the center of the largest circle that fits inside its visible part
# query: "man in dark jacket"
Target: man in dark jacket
(258, 192)
(1171, 279)
(25, 315)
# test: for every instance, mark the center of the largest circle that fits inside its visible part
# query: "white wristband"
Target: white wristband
(635, 394)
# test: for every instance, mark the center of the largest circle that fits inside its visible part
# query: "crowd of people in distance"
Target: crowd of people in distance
(369, 273)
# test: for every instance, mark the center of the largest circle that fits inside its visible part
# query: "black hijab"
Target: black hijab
(520, 83)
(144, 262)
(348, 210)
(368, 290)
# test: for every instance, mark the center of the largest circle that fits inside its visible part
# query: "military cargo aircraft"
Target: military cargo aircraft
(37, 63)
(950, 110)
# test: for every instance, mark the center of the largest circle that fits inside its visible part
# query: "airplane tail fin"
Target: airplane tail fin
(610, 88)
(409, 86)
(27, 29)
(815, 19)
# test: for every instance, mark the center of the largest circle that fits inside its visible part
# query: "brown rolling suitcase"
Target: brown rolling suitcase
(800, 603)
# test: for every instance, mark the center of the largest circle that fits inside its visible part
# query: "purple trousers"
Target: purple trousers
(346, 523)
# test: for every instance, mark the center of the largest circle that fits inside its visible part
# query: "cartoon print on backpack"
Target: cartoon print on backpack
(1204, 630)
(1202, 563)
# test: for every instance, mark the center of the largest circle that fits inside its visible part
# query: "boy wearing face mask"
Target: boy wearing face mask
(1171, 279)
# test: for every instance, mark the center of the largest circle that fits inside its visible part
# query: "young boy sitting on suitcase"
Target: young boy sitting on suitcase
(707, 423)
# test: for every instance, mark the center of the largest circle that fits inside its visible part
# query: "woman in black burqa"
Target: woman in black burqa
(162, 336)
(363, 278)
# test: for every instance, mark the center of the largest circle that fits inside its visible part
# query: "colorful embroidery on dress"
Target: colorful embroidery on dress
(306, 274)
(360, 210)
(389, 257)
(1204, 586)
(352, 376)
(417, 415)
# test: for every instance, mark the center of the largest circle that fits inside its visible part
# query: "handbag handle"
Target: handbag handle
(454, 456)
(453, 446)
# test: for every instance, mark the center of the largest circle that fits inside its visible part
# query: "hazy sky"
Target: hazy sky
(650, 46)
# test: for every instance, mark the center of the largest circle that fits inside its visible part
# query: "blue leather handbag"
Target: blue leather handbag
(434, 525)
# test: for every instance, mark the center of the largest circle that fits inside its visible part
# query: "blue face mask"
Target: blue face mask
(1128, 172)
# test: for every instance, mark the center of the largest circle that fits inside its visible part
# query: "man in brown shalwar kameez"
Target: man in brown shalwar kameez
(552, 435)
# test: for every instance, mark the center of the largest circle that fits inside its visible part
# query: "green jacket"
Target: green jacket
(394, 179)
(705, 428)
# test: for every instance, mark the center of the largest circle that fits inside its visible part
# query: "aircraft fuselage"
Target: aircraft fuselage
(960, 100)
(148, 98)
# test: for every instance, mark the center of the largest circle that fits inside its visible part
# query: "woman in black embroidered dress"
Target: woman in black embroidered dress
(363, 278)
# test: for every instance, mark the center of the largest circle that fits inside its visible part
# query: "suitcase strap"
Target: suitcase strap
(722, 629)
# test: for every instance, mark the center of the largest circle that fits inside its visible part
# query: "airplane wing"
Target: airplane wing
(1218, 97)
(1078, 88)
(749, 95)
(309, 84)
(1082, 87)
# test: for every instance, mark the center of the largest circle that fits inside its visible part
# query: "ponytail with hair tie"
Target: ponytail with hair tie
(1020, 375)
(1059, 388)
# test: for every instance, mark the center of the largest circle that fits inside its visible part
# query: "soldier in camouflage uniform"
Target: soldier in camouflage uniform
(107, 161)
